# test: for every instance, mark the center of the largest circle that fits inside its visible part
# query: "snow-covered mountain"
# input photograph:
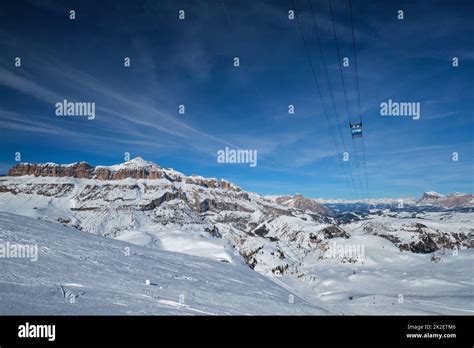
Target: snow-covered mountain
(300, 202)
(142, 203)
(454, 200)
(431, 195)
(282, 237)
(372, 201)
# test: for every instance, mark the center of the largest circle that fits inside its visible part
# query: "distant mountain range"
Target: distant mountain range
(454, 200)
(431, 198)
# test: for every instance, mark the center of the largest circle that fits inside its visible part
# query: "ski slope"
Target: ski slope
(81, 273)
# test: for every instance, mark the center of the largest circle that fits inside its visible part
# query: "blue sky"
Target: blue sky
(190, 62)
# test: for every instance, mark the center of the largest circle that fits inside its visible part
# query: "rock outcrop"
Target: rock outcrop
(298, 201)
(454, 200)
(137, 168)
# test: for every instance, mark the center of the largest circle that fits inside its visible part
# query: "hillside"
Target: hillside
(80, 273)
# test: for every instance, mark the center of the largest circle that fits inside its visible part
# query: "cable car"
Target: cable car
(356, 129)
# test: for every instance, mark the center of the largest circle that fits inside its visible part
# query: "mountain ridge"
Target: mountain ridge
(138, 168)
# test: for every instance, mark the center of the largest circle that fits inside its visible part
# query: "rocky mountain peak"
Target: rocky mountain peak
(135, 163)
(457, 194)
(298, 201)
(431, 195)
(454, 200)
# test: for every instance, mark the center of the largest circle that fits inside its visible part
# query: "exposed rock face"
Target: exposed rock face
(216, 206)
(214, 231)
(76, 170)
(135, 169)
(261, 231)
(419, 238)
(432, 195)
(47, 190)
(454, 200)
(334, 231)
(424, 245)
(249, 256)
(168, 196)
(298, 201)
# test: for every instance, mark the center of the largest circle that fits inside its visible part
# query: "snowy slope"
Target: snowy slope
(80, 273)
(386, 280)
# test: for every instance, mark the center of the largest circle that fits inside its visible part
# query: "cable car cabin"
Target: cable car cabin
(356, 129)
